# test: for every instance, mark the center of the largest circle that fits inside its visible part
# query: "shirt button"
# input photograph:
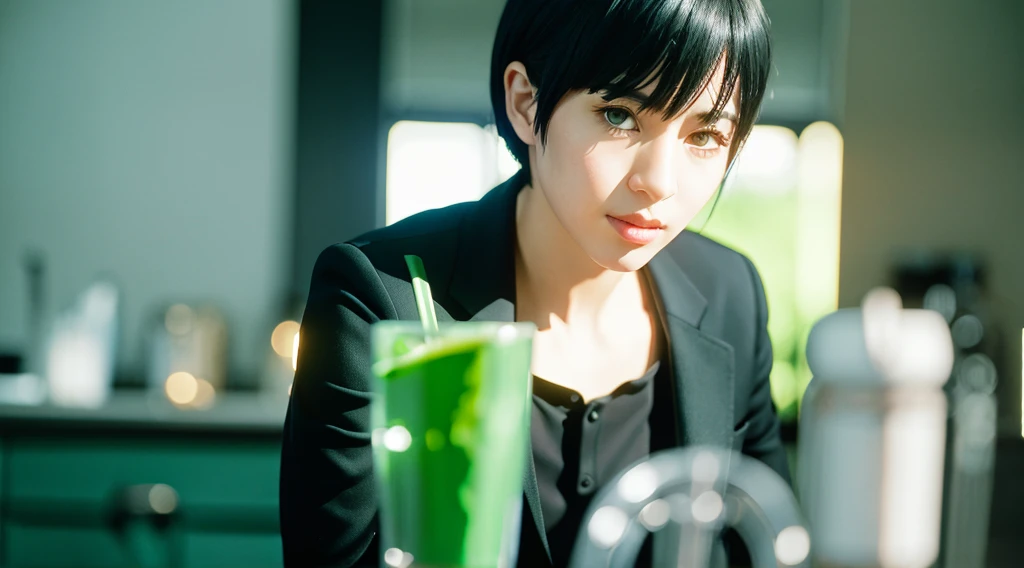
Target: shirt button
(586, 482)
(593, 416)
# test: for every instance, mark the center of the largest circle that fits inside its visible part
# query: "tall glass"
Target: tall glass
(451, 424)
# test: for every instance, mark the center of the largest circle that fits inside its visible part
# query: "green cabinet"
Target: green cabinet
(45, 547)
(81, 493)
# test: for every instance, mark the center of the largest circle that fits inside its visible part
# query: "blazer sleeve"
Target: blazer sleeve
(763, 440)
(328, 501)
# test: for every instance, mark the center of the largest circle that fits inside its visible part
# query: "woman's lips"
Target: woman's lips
(634, 233)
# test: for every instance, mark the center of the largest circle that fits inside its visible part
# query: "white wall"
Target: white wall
(149, 140)
(933, 148)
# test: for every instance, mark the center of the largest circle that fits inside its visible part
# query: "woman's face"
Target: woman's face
(623, 183)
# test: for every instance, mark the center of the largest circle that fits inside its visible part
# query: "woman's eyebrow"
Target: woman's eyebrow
(635, 96)
(710, 117)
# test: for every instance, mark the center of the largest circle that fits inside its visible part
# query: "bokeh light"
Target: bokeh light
(707, 506)
(205, 394)
(181, 388)
(163, 499)
(655, 514)
(942, 299)
(185, 390)
(967, 331)
(397, 439)
(283, 337)
(638, 483)
(607, 526)
(792, 545)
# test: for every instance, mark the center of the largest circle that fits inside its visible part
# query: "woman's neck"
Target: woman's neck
(557, 283)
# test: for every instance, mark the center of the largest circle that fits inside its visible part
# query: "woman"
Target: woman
(625, 116)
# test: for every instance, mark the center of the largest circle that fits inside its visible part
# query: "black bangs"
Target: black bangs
(617, 47)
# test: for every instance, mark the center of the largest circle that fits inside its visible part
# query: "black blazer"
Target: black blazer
(710, 297)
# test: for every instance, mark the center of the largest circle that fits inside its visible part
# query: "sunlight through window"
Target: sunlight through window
(781, 207)
(435, 164)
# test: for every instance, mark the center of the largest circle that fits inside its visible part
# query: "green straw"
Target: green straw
(421, 289)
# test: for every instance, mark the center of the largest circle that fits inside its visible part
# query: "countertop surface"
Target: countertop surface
(126, 412)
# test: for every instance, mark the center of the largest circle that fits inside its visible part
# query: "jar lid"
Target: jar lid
(881, 343)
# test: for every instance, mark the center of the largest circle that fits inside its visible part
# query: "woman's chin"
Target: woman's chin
(630, 261)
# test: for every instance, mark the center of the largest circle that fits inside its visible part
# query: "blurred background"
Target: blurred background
(169, 172)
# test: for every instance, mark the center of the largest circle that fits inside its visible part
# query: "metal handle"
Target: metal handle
(685, 496)
(143, 516)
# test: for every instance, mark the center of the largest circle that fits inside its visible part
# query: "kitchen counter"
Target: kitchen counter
(239, 413)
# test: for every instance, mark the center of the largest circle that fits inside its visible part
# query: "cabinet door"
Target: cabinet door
(60, 547)
(215, 550)
(61, 494)
(209, 475)
(45, 547)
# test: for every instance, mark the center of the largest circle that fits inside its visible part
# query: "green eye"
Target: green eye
(617, 118)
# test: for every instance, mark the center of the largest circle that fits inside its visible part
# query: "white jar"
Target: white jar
(872, 435)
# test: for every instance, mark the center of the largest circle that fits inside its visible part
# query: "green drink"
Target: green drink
(451, 423)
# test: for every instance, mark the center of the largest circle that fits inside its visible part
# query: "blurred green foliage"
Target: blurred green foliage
(765, 227)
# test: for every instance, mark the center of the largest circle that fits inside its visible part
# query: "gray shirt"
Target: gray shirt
(578, 447)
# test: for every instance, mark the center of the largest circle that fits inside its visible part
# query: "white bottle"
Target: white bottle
(872, 434)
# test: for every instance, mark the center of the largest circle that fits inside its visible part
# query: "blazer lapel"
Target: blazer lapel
(702, 364)
(484, 284)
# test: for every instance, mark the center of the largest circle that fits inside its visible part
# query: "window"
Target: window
(435, 164)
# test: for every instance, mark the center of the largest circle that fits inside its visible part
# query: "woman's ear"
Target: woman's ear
(519, 102)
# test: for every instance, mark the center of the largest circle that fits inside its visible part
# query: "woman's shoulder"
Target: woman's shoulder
(723, 275)
(378, 257)
(704, 258)
(432, 231)
(428, 224)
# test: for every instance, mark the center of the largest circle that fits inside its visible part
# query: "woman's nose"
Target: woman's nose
(654, 170)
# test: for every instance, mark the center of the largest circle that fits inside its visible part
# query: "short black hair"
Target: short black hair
(619, 46)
